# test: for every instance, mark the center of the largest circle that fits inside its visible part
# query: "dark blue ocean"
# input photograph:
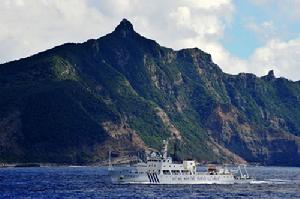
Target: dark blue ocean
(90, 182)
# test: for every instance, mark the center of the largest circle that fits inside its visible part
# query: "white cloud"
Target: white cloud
(30, 26)
(283, 57)
(35, 25)
(207, 4)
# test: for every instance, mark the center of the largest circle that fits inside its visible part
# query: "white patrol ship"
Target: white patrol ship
(161, 170)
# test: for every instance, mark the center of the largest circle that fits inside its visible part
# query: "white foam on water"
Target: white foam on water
(259, 182)
(271, 181)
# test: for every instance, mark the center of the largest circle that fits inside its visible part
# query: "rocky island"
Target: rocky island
(72, 103)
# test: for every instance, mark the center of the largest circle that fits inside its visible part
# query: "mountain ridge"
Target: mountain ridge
(71, 103)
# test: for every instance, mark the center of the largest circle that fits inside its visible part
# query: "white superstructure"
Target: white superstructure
(159, 169)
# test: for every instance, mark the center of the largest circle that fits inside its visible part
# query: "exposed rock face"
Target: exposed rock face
(121, 133)
(175, 133)
(252, 143)
(73, 103)
(270, 76)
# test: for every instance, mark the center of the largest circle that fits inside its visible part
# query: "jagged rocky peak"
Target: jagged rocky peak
(125, 28)
(269, 76)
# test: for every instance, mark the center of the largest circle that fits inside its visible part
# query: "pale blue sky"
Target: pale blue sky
(241, 40)
(238, 39)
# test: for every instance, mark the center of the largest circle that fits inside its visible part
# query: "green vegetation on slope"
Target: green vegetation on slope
(67, 104)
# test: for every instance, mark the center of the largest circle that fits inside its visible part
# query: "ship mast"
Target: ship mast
(109, 160)
(165, 149)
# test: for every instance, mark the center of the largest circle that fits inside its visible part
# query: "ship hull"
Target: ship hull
(153, 178)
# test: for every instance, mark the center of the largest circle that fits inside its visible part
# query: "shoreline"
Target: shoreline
(105, 164)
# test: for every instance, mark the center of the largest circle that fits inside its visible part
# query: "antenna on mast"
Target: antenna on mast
(247, 175)
(109, 160)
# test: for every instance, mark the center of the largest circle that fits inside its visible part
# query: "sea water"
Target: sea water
(91, 182)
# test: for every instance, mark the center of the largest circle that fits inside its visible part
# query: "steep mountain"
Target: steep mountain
(70, 104)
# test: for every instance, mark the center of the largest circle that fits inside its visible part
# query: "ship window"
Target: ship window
(175, 172)
(186, 172)
(166, 172)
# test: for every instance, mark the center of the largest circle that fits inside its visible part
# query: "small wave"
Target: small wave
(259, 182)
(279, 180)
(271, 181)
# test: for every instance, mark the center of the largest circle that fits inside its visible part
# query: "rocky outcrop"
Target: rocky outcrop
(175, 133)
